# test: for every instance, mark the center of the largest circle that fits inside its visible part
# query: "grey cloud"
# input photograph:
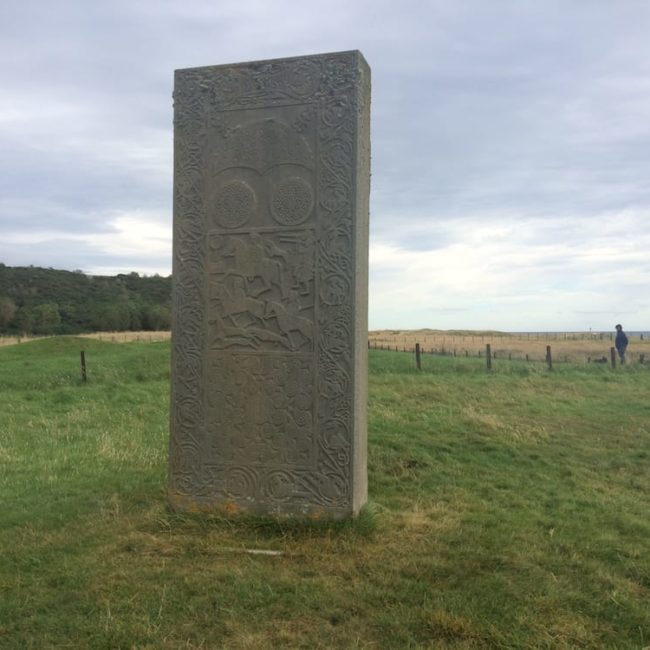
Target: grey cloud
(88, 258)
(529, 114)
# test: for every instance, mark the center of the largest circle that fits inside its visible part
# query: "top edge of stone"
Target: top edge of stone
(355, 54)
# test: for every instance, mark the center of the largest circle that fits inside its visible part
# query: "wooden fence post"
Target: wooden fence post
(612, 353)
(418, 361)
(488, 356)
(83, 366)
(549, 358)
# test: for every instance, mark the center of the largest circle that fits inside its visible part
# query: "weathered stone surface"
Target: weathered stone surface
(269, 361)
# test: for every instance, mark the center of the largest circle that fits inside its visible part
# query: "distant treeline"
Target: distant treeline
(46, 301)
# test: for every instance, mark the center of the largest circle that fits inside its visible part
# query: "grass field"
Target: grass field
(509, 510)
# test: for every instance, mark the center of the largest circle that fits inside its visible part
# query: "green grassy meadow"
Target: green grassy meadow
(508, 509)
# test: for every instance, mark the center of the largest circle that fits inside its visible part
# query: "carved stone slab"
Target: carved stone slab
(269, 334)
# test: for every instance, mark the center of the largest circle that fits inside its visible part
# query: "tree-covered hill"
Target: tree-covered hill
(47, 301)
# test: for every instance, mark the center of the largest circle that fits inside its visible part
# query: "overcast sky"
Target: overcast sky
(511, 145)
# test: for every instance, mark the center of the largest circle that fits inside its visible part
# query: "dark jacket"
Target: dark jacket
(621, 341)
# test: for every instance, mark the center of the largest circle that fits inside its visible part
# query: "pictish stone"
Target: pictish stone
(269, 334)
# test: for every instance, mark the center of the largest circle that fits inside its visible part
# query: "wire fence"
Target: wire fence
(545, 354)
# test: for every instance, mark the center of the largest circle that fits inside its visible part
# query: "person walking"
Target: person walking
(621, 342)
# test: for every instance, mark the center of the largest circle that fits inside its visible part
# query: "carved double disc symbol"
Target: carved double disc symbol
(234, 204)
(292, 201)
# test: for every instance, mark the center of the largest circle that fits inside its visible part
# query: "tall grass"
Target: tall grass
(509, 509)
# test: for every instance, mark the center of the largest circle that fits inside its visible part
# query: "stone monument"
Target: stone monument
(269, 333)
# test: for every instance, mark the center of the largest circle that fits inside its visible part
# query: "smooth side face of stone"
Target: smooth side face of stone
(269, 334)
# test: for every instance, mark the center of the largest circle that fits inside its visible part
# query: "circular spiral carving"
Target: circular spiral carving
(279, 485)
(335, 289)
(336, 110)
(335, 338)
(234, 204)
(292, 202)
(239, 483)
(332, 488)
